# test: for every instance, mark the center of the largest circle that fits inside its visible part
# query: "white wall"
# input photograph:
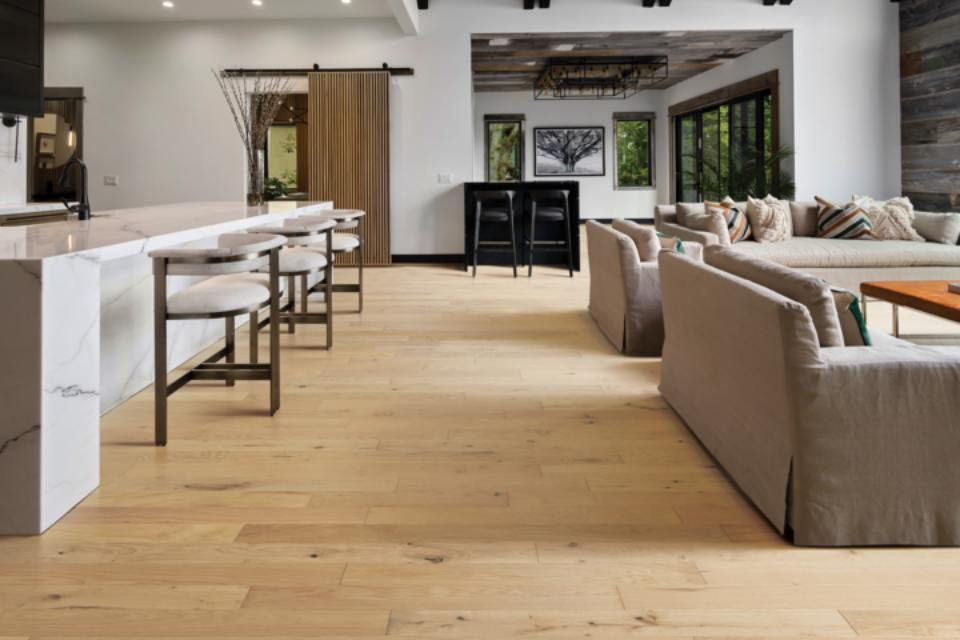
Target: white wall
(13, 175)
(154, 116)
(598, 198)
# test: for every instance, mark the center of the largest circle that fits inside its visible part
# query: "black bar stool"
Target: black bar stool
(550, 206)
(495, 207)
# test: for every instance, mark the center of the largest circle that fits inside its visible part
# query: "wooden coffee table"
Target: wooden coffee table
(928, 296)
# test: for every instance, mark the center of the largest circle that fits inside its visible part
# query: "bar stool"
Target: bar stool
(496, 207)
(299, 261)
(347, 220)
(550, 206)
(232, 290)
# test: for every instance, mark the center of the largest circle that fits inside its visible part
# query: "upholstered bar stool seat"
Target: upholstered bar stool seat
(233, 295)
(297, 260)
(342, 243)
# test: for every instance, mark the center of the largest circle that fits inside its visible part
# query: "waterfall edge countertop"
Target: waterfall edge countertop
(77, 340)
(125, 232)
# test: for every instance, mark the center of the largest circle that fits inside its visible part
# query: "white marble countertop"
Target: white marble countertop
(110, 235)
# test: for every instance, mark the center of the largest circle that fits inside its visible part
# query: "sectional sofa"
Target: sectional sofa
(843, 263)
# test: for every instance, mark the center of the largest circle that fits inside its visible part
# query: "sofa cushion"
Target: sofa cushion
(823, 253)
(648, 244)
(770, 219)
(811, 292)
(938, 227)
(685, 209)
(849, 222)
(736, 216)
(804, 218)
(891, 219)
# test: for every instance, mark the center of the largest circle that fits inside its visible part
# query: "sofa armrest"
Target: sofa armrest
(688, 235)
(877, 436)
(608, 251)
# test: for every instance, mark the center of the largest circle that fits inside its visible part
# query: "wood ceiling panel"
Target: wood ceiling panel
(518, 59)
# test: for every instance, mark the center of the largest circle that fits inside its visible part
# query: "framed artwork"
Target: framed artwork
(46, 144)
(569, 151)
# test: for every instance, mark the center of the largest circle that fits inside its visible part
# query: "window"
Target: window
(725, 149)
(504, 145)
(282, 156)
(633, 137)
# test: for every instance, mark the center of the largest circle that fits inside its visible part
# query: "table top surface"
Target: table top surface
(123, 232)
(929, 296)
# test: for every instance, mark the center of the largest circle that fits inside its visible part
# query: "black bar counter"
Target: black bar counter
(546, 231)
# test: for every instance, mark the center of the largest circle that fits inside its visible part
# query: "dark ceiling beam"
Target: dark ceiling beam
(770, 3)
(423, 5)
(654, 3)
(544, 4)
(529, 4)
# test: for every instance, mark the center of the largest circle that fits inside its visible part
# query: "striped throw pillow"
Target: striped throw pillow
(852, 323)
(736, 218)
(849, 222)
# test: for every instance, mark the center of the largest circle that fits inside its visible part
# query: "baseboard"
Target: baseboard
(427, 258)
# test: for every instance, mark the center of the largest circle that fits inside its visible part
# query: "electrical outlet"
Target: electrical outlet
(111, 181)
(445, 178)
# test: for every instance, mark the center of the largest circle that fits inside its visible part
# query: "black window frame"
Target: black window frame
(650, 118)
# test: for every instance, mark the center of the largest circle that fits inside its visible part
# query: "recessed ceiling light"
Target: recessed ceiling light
(345, 1)
(499, 42)
(564, 47)
(167, 4)
(256, 3)
(675, 34)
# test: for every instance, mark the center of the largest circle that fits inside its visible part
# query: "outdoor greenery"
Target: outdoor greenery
(504, 152)
(633, 153)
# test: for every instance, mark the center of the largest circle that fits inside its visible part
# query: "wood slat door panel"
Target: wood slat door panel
(349, 151)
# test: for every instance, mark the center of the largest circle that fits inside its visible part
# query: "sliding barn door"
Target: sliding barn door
(350, 152)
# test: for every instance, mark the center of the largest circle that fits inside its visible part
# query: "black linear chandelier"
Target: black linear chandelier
(599, 78)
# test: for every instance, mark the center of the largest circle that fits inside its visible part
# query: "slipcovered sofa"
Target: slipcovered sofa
(625, 285)
(843, 445)
(843, 263)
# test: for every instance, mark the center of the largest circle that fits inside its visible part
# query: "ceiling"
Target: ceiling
(513, 62)
(153, 11)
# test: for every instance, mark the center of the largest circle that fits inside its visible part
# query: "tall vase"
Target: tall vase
(255, 179)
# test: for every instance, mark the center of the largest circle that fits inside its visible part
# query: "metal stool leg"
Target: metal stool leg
(274, 331)
(328, 289)
(566, 227)
(291, 303)
(254, 336)
(533, 235)
(360, 268)
(513, 241)
(160, 352)
(476, 239)
(304, 294)
(230, 333)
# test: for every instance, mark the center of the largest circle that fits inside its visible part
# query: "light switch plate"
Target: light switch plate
(111, 181)
(445, 178)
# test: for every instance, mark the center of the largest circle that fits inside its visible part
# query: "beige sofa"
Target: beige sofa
(841, 445)
(625, 285)
(843, 263)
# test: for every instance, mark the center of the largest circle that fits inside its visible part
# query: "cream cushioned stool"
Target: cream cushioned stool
(344, 243)
(298, 261)
(232, 290)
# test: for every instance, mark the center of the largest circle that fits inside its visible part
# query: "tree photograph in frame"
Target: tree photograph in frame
(569, 151)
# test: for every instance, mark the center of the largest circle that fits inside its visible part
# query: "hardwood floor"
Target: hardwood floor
(472, 460)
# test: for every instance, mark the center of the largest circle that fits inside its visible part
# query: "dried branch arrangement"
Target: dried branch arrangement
(254, 101)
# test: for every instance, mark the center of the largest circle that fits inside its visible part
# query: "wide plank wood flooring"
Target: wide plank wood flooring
(471, 461)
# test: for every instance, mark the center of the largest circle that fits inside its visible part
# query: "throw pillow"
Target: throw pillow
(852, 324)
(849, 222)
(938, 227)
(770, 219)
(737, 223)
(648, 245)
(891, 219)
(685, 209)
(713, 223)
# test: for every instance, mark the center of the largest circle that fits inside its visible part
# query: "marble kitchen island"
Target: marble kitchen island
(76, 339)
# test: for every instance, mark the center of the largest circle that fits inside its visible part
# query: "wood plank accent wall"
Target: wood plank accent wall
(349, 115)
(930, 102)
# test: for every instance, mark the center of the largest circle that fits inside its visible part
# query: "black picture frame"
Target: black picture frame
(540, 158)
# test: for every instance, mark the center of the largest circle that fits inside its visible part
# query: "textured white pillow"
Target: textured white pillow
(770, 219)
(891, 219)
